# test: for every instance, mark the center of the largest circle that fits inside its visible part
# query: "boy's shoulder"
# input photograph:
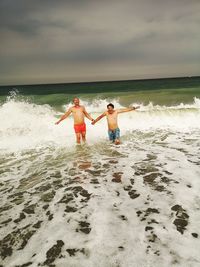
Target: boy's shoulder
(108, 114)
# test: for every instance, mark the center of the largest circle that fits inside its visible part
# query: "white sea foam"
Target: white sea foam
(158, 161)
(99, 105)
(27, 126)
(119, 235)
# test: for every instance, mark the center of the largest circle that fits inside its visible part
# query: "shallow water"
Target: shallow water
(136, 204)
(133, 205)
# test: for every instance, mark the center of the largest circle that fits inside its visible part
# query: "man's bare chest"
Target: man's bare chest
(78, 111)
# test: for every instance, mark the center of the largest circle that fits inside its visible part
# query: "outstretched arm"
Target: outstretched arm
(127, 109)
(64, 116)
(99, 118)
(87, 115)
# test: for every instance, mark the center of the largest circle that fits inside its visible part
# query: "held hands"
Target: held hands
(93, 122)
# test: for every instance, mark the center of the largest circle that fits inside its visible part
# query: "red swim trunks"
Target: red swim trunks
(80, 128)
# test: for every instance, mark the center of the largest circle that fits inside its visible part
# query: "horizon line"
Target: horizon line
(101, 81)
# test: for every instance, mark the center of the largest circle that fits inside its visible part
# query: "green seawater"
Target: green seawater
(168, 92)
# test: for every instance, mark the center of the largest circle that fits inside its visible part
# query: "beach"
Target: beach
(98, 204)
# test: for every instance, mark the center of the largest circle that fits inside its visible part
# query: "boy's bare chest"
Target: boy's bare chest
(112, 116)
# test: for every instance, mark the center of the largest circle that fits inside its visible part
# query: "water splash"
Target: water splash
(26, 125)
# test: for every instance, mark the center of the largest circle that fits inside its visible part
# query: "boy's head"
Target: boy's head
(110, 107)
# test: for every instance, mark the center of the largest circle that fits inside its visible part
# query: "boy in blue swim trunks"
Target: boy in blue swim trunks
(111, 115)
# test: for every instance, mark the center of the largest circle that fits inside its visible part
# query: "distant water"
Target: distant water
(101, 205)
(158, 91)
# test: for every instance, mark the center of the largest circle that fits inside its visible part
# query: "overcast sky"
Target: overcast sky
(88, 40)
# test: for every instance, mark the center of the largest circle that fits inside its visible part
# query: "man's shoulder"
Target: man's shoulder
(82, 107)
(74, 108)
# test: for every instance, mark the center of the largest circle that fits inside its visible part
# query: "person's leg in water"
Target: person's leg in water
(78, 138)
(117, 141)
(117, 136)
(83, 135)
(83, 132)
(111, 136)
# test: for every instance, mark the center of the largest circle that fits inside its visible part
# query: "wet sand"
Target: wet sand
(106, 207)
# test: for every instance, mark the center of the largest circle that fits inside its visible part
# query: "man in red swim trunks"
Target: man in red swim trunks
(79, 113)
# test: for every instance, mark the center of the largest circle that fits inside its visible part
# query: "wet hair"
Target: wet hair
(110, 105)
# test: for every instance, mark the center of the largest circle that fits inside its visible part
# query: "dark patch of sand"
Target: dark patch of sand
(94, 181)
(146, 213)
(47, 197)
(30, 209)
(182, 218)
(21, 217)
(133, 194)
(54, 252)
(123, 217)
(84, 227)
(195, 235)
(72, 251)
(15, 240)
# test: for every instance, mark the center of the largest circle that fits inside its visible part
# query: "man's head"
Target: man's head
(76, 101)
(110, 107)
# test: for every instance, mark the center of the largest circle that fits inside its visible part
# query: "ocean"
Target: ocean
(136, 204)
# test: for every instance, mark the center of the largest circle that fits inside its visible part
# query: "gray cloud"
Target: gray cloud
(129, 39)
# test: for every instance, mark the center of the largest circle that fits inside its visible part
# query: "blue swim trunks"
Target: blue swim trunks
(114, 134)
